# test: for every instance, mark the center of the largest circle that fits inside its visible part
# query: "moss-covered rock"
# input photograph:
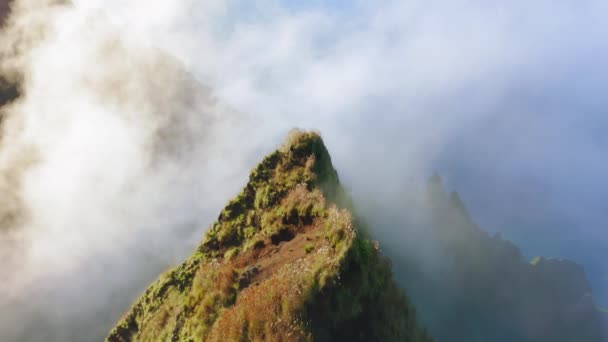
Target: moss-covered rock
(286, 260)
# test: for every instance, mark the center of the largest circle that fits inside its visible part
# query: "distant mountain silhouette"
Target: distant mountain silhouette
(479, 287)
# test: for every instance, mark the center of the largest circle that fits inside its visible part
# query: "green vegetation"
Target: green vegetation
(284, 261)
(309, 247)
(536, 260)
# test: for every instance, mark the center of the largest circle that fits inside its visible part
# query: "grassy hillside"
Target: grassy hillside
(286, 260)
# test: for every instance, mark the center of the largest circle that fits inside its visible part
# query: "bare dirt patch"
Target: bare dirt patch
(264, 261)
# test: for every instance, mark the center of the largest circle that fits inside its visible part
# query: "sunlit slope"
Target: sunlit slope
(286, 260)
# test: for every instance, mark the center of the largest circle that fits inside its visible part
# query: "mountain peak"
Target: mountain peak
(284, 261)
(436, 191)
(513, 300)
(436, 179)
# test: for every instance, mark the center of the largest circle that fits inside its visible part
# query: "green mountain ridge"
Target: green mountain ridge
(287, 259)
(482, 288)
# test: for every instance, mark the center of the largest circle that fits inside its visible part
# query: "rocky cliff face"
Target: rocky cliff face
(480, 288)
(286, 260)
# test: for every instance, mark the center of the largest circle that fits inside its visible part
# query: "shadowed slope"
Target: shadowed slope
(480, 288)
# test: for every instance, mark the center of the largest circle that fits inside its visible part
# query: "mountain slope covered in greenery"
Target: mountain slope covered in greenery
(286, 260)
